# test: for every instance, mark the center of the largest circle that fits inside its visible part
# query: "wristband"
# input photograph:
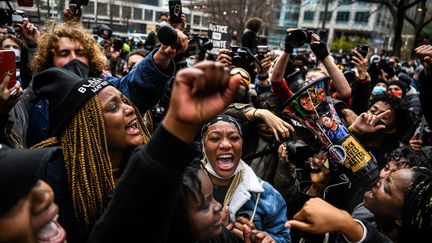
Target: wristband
(364, 232)
(253, 114)
(353, 130)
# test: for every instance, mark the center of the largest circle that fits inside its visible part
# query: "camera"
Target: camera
(199, 45)
(79, 3)
(240, 57)
(298, 151)
(9, 17)
(299, 37)
(262, 50)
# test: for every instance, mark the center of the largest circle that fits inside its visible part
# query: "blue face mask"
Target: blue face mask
(378, 90)
(190, 62)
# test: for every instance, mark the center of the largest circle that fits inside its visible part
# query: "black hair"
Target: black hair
(417, 208)
(401, 123)
(191, 186)
(409, 157)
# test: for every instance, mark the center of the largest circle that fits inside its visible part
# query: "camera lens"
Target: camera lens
(297, 38)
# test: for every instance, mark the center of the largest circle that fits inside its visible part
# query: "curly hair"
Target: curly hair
(401, 121)
(49, 44)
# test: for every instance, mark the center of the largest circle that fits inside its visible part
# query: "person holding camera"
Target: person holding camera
(71, 45)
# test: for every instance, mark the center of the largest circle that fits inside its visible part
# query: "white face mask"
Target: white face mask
(17, 54)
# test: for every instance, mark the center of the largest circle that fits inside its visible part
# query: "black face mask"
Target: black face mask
(79, 68)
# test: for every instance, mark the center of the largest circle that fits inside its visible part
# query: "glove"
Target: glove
(320, 50)
(288, 47)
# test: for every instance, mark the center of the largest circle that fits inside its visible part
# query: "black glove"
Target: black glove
(320, 50)
(288, 47)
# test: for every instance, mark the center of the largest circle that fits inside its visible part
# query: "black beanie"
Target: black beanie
(66, 93)
(401, 85)
(20, 170)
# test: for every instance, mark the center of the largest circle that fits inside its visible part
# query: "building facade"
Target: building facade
(367, 20)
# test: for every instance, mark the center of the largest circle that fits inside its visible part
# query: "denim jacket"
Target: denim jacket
(145, 85)
(271, 210)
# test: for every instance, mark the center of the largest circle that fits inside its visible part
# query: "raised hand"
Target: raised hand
(224, 58)
(424, 53)
(28, 32)
(9, 97)
(277, 125)
(199, 94)
(367, 122)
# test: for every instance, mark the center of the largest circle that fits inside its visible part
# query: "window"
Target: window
(205, 21)
(196, 19)
(102, 8)
(342, 17)
(328, 17)
(115, 10)
(89, 9)
(137, 13)
(362, 17)
(148, 15)
(308, 16)
(126, 12)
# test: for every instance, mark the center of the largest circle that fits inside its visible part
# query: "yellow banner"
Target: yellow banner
(356, 155)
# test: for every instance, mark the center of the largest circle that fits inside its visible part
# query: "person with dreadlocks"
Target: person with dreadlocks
(385, 207)
(96, 126)
(72, 46)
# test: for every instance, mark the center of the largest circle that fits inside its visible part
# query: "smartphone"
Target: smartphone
(262, 50)
(362, 49)
(7, 63)
(175, 11)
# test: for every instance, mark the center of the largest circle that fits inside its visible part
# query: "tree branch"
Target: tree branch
(426, 22)
(410, 20)
(409, 5)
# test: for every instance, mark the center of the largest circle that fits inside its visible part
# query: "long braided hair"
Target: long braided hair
(87, 161)
(417, 209)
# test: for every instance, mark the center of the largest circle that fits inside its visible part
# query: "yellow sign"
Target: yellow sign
(356, 155)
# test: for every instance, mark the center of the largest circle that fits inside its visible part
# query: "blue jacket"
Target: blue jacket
(270, 214)
(271, 210)
(144, 86)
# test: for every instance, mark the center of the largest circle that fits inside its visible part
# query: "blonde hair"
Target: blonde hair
(49, 43)
(87, 161)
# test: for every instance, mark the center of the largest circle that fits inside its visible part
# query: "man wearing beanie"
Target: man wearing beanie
(397, 88)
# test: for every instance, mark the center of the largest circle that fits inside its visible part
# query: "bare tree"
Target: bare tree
(421, 20)
(398, 9)
(235, 13)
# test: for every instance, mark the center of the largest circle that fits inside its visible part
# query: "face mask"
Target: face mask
(378, 90)
(396, 93)
(190, 62)
(78, 67)
(17, 54)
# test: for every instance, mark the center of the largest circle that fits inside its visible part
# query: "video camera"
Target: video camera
(199, 45)
(10, 16)
(299, 37)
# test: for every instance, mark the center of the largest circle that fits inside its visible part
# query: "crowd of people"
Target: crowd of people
(146, 142)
